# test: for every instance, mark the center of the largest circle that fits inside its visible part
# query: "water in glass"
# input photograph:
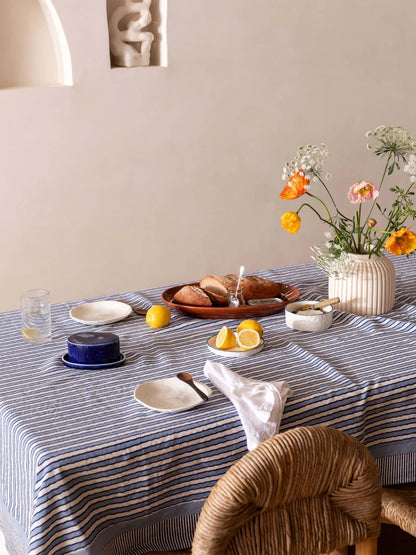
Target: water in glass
(36, 316)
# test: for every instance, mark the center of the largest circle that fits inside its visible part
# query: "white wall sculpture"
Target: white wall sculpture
(129, 44)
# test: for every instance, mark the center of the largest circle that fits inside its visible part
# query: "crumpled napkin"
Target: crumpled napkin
(259, 404)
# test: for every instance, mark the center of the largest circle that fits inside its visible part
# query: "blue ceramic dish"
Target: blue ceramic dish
(93, 348)
(79, 366)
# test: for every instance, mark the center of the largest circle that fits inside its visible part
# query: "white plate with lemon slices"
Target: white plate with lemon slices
(246, 342)
(235, 351)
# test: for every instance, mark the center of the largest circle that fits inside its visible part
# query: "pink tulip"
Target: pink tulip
(362, 191)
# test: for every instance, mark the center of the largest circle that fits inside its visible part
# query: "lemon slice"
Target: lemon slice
(248, 339)
(30, 333)
(250, 325)
(225, 339)
(158, 316)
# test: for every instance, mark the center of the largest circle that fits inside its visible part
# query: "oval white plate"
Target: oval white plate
(99, 313)
(235, 351)
(169, 395)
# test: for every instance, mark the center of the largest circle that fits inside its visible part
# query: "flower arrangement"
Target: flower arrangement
(365, 232)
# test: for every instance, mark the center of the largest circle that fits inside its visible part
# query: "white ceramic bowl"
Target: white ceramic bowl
(307, 322)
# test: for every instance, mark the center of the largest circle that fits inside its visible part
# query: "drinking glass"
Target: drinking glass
(36, 316)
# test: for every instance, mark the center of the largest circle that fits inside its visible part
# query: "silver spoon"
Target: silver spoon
(187, 378)
(234, 300)
(239, 278)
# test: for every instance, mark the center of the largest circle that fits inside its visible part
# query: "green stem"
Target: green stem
(323, 204)
(332, 199)
(385, 170)
(326, 189)
(329, 221)
(367, 238)
(381, 183)
(358, 223)
(394, 220)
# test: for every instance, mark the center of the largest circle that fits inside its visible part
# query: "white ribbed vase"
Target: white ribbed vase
(369, 288)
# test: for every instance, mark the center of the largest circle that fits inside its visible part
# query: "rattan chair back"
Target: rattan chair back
(307, 491)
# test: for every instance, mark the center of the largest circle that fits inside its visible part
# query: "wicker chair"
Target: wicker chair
(398, 507)
(307, 491)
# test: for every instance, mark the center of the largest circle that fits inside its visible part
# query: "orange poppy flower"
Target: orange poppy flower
(401, 242)
(296, 186)
(290, 222)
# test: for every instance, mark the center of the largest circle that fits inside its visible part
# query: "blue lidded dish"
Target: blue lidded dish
(93, 348)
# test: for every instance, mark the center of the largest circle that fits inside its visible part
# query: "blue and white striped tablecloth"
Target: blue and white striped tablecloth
(86, 469)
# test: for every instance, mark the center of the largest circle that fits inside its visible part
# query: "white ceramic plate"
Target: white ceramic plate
(169, 395)
(99, 313)
(235, 351)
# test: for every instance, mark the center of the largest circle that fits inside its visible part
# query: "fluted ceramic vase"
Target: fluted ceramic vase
(368, 288)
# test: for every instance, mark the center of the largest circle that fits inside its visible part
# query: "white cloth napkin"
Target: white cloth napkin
(259, 404)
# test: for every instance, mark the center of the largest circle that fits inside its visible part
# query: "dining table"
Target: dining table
(88, 469)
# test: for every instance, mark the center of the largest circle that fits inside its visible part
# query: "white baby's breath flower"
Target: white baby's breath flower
(310, 158)
(336, 265)
(410, 167)
(392, 140)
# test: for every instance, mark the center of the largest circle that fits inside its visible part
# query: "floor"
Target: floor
(394, 541)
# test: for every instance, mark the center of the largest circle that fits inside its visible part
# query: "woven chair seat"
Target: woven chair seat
(307, 491)
(399, 507)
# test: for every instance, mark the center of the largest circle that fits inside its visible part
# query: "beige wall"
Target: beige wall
(134, 178)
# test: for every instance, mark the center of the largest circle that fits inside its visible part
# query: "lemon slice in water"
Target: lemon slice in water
(30, 333)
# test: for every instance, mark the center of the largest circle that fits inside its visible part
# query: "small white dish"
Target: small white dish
(308, 322)
(99, 313)
(235, 351)
(169, 395)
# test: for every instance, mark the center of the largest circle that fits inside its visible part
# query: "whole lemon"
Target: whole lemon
(158, 316)
(251, 325)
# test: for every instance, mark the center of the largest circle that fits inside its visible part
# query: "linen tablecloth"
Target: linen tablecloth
(86, 469)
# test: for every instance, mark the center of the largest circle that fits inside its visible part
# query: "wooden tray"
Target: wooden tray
(288, 295)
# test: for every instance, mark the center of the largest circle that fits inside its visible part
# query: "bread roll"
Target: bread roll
(254, 287)
(217, 300)
(192, 295)
(218, 284)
